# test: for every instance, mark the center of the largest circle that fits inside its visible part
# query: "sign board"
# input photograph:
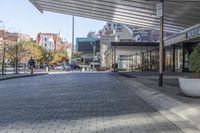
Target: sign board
(141, 35)
(159, 9)
(193, 33)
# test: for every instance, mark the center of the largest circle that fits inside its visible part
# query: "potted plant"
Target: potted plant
(191, 85)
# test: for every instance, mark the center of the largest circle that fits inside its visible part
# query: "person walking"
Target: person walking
(31, 64)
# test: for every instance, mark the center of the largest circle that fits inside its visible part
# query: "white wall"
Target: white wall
(46, 41)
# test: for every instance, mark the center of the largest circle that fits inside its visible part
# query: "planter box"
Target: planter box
(190, 87)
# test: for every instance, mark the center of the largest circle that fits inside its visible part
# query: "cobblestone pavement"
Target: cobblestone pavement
(76, 103)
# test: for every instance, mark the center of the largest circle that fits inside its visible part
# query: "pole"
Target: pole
(72, 36)
(4, 52)
(161, 46)
(93, 52)
(16, 60)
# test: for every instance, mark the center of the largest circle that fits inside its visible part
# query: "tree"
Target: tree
(59, 57)
(76, 55)
(15, 53)
(47, 57)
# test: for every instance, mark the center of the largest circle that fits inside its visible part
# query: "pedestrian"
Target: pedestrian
(31, 64)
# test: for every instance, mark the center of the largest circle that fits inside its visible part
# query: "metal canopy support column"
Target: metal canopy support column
(161, 46)
(72, 36)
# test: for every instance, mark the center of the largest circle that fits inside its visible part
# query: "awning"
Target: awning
(179, 14)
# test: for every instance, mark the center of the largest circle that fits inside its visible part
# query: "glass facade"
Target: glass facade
(177, 57)
(150, 60)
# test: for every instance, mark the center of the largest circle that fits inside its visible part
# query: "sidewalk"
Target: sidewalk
(21, 75)
(168, 100)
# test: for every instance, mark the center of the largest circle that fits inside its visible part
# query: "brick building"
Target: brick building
(12, 38)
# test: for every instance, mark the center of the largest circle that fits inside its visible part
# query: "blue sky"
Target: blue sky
(22, 16)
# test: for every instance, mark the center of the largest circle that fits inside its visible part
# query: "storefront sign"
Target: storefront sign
(193, 33)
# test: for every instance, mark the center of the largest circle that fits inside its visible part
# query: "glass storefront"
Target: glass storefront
(178, 60)
(150, 60)
(168, 58)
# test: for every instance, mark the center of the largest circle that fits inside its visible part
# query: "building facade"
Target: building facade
(50, 41)
(131, 56)
(86, 47)
(12, 38)
(113, 32)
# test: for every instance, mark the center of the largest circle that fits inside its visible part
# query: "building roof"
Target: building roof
(179, 14)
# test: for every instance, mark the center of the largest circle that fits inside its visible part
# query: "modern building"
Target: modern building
(142, 55)
(89, 49)
(113, 32)
(131, 56)
(50, 41)
(131, 42)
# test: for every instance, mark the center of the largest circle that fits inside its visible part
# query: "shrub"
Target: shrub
(194, 60)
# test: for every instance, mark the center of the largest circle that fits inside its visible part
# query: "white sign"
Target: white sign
(159, 9)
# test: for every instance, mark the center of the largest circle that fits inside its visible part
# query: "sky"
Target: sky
(21, 16)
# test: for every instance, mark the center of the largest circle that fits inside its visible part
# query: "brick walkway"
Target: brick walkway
(76, 103)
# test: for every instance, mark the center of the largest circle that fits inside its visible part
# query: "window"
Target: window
(45, 39)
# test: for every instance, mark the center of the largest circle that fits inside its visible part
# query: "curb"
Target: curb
(22, 76)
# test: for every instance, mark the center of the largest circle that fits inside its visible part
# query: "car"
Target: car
(59, 68)
(68, 67)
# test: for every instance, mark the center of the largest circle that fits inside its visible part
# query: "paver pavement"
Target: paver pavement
(76, 103)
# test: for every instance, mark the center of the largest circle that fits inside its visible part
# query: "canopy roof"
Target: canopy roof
(179, 14)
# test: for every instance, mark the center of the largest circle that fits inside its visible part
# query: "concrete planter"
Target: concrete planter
(190, 87)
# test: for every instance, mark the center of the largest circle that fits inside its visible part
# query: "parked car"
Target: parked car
(68, 67)
(94, 66)
(59, 68)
